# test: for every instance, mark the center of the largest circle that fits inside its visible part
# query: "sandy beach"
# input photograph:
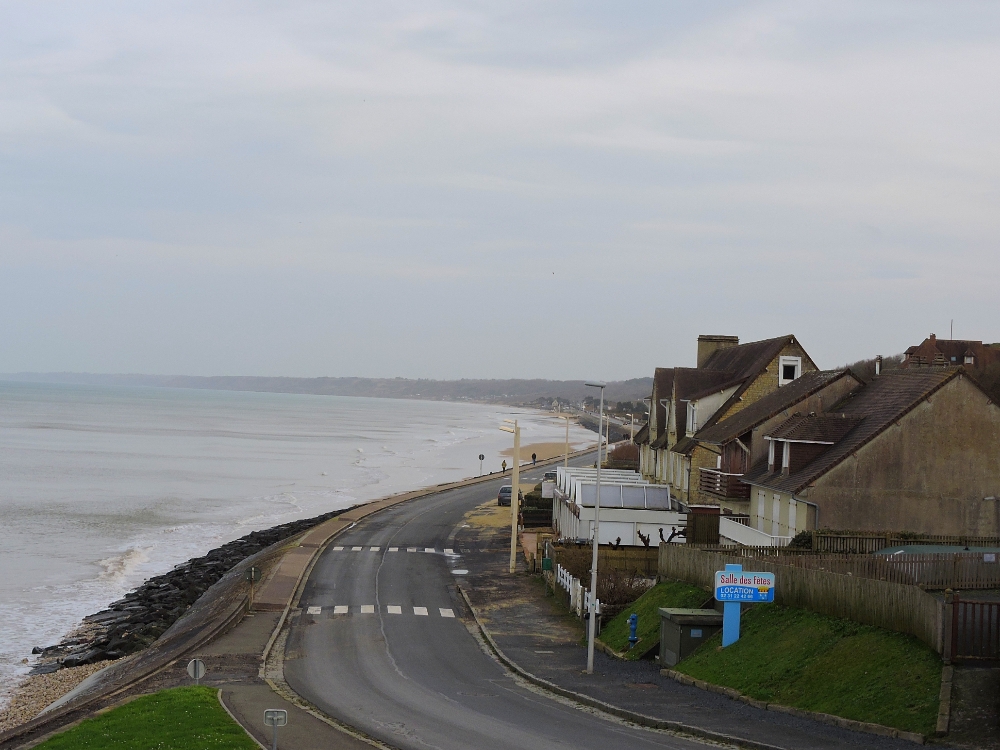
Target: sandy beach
(544, 450)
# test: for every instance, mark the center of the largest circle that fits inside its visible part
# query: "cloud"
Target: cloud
(699, 157)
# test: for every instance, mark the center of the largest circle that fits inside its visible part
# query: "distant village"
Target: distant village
(760, 439)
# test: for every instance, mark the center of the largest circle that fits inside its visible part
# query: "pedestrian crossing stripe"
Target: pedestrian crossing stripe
(370, 609)
(356, 549)
(374, 549)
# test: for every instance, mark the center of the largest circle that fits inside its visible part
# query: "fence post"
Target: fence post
(947, 651)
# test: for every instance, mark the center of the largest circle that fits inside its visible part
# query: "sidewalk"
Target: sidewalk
(536, 634)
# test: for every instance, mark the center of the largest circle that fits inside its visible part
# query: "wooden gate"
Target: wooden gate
(975, 630)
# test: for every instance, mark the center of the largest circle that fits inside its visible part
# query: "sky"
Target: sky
(490, 189)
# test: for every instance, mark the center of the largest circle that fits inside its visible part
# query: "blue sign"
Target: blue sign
(732, 587)
(740, 586)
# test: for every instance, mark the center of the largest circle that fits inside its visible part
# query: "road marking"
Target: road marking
(314, 610)
(449, 551)
(338, 549)
(459, 572)
(367, 609)
(394, 609)
(374, 549)
(420, 611)
(411, 549)
(356, 549)
(428, 549)
(394, 549)
(340, 609)
(446, 612)
(545, 652)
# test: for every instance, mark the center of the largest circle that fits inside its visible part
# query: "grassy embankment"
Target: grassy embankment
(188, 718)
(666, 594)
(799, 658)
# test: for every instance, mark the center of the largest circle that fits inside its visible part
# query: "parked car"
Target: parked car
(550, 476)
(503, 497)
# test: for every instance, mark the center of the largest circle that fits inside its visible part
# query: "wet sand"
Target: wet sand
(544, 450)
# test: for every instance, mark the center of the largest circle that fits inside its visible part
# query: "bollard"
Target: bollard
(633, 625)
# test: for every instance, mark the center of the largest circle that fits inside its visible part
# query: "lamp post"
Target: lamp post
(510, 425)
(566, 459)
(631, 433)
(597, 530)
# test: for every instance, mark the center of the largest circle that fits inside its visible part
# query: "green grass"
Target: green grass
(187, 718)
(666, 594)
(799, 658)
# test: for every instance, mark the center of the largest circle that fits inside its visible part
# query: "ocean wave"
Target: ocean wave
(119, 568)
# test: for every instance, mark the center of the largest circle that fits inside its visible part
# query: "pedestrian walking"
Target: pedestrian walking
(534, 459)
(504, 465)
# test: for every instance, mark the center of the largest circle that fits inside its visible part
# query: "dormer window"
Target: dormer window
(789, 368)
(970, 359)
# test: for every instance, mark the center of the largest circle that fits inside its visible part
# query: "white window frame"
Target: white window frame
(692, 417)
(782, 363)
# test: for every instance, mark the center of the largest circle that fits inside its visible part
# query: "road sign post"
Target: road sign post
(481, 457)
(196, 670)
(252, 575)
(733, 586)
(275, 717)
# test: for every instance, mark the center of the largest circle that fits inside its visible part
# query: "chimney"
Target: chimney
(708, 344)
(878, 365)
(933, 338)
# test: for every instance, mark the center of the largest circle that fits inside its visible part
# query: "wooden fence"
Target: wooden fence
(938, 571)
(894, 606)
(863, 542)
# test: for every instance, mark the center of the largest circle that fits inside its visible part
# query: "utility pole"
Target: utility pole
(592, 632)
(566, 459)
(515, 489)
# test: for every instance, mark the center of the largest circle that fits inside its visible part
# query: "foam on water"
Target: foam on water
(101, 488)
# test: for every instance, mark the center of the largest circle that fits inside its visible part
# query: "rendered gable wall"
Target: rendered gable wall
(928, 473)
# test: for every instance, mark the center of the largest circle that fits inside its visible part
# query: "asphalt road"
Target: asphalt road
(415, 680)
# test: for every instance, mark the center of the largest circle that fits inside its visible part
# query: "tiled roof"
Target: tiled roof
(770, 405)
(877, 405)
(642, 436)
(663, 385)
(684, 446)
(815, 428)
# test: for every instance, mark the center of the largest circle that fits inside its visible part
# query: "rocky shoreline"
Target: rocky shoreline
(141, 616)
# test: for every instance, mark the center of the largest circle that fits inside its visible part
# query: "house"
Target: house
(739, 442)
(655, 427)
(915, 450)
(730, 377)
(934, 352)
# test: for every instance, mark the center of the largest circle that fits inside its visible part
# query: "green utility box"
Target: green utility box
(683, 630)
(546, 563)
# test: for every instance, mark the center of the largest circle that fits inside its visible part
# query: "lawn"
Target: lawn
(666, 594)
(799, 658)
(187, 718)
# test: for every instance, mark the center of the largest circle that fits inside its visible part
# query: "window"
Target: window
(970, 359)
(789, 368)
(692, 425)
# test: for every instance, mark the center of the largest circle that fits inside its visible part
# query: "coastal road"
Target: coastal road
(382, 647)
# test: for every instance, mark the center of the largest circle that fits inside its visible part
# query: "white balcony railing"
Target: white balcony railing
(749, 536)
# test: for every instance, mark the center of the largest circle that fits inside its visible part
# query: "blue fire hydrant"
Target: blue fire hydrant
(633, 624)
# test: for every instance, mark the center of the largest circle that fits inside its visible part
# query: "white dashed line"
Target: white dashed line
(394, 609)
(411, 549)
(356, 549)
(374, 549)
(394, 549)
(420, 611)
(314, 610)
(449, 551)
(338, 549)
(367, 609)
(340, 609)
(428, 549)
(446, 612)
(459, 572)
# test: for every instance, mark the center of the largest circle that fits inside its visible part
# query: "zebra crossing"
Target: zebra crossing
(364, 548)
(370, 609)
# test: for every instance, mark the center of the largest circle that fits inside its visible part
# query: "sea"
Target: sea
(103, 487)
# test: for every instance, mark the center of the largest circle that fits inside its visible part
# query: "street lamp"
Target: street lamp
(597, 531)
(631, 435)
(566, 459)
(510, 425)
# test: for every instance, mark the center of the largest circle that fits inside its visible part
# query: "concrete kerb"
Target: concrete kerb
(621, 713)
(839, 721)
(944, 704)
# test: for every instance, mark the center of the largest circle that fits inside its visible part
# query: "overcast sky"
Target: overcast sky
(489, 189)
